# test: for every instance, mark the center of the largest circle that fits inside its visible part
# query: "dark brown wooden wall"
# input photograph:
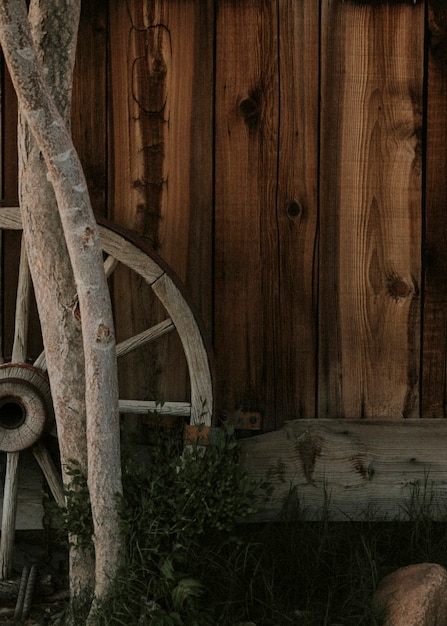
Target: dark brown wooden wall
(288, 158)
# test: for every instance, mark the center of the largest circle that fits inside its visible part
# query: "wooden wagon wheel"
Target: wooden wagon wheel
(25, 399)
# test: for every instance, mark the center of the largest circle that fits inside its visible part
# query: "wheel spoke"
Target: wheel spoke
(10, 493)
(19, 348)
(52, 475)
(145, 337)
(119, 249)
(144, 407)
(40, 363)
(10, 218)
(110, 264)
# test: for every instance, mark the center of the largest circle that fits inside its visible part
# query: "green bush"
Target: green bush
(177, 502)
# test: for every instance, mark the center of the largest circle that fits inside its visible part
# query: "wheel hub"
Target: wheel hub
(25, 406)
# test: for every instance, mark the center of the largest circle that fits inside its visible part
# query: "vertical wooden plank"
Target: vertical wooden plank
(9, 143)
(297, 211)
(161, 159)
(2, 166)
(246, 239)
(11, 241)
(434, 391)
(89, 102)
(370, 205)
(162, 130)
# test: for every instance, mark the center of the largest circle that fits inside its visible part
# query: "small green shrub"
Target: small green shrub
(192, 561)
(176, 502)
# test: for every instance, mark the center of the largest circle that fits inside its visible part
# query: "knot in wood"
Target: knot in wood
(250, 109)
(399, 288)
(294, 209)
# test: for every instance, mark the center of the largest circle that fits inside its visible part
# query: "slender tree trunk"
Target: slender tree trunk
(54, 30)
(83, 245)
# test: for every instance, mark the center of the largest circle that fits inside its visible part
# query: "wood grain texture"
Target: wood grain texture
(9, 140)
(22, 309)
(162, 113)
(30, 509)
(89, 102)
(353, 469)
(297, 211)
(370, 209)
(161, 163)
(434, 388)
(246, 231)
(51, 471)
(9, 512)
(9, 193)
(201, 384)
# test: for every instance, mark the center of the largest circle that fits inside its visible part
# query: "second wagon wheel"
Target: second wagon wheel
(25, 398)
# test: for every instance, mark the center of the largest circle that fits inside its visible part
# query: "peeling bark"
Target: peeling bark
(50, 265)
(81, 235)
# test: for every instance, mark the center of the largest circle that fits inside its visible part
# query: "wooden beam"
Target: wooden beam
(354, 468)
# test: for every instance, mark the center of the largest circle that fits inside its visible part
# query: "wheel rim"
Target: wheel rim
(25, 400)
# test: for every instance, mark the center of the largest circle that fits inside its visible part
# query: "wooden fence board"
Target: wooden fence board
(11, 241)
(434, 391)
(246, 233)
(297, 211)
(370, 209)
(89, 102)
(355, 469)
(161, 166)
(162, 113)
(271, 151)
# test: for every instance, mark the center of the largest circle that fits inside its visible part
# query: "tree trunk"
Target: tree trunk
(46, 248)
(83, 244)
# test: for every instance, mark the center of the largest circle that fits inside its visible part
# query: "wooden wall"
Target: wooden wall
(288, 158)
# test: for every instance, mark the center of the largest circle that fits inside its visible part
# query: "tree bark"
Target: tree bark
(55, 290)
(83, 245)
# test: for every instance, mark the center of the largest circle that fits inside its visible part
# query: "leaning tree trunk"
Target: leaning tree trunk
(83, 245)
(54, 30)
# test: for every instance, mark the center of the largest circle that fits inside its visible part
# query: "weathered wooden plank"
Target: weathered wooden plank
(246, 232)
(162, 108)
(353, 468)
(150, 408)
(9, 140)
(370, 209)
(89, 102)
(9, 512)
(297, 211)
(434, 345)
(22, 310)
(30, 510)
(9, 193)
(161, 168)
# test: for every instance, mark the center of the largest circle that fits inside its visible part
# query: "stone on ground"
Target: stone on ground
(415, 595)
